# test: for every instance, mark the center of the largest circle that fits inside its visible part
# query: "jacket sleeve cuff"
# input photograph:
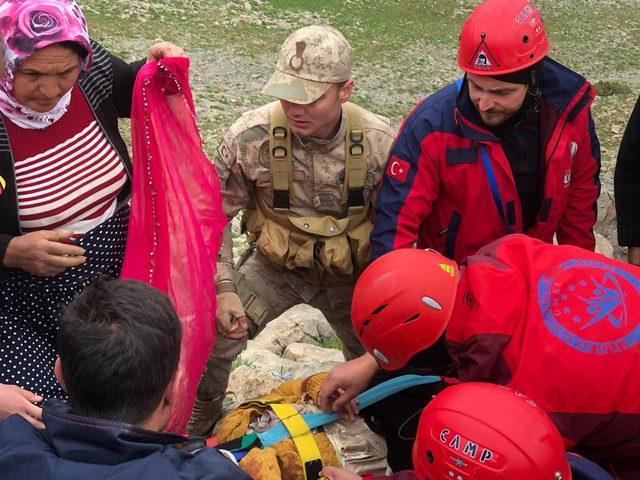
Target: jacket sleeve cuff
(629, 235)
(224, 272)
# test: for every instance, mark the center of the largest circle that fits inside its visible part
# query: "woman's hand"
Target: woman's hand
(44, 253)
(344, 383)
(14, 399)
(162, 50)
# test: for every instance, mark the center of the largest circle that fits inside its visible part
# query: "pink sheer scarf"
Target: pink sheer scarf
(176, 220)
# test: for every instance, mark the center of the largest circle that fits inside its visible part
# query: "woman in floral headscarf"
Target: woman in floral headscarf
(64, 180)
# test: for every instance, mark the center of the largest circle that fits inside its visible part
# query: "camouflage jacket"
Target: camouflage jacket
(242, 162)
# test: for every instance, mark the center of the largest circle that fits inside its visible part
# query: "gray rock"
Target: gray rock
(284, 368)
(247, 383)
(299, 324)
(303, 352)
(604, 246)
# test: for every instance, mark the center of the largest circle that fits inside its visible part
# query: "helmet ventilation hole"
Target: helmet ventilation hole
(415, 317)
(365, 324)
(430, 457)
(525, 39)
(380, 308)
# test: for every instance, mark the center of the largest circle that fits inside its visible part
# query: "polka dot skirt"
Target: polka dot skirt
(30, 307)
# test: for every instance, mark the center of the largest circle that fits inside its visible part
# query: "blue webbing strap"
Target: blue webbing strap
(379, 392)
(493, 185)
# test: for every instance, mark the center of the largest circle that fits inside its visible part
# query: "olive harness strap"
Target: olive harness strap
(280, 159)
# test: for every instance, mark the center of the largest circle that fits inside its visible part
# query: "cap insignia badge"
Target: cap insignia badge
(296, 62)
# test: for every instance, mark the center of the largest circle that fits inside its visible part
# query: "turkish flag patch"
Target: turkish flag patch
(398, 169)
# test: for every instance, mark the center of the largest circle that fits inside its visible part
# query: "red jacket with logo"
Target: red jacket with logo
(449, 186)
(561, 325)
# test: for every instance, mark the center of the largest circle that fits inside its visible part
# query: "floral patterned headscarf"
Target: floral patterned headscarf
(25, 27)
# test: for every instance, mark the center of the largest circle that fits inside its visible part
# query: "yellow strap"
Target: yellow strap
(302, 438)
(280, 152)
(356, 155)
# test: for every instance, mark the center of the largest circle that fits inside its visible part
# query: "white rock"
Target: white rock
(303, 352)
(284, 368)
(247, 383)
(299, 324)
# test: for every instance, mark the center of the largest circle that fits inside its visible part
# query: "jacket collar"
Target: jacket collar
(96, 441)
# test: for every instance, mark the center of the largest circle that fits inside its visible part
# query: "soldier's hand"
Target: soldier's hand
(231, 320)
(44, 253)
(634, 256)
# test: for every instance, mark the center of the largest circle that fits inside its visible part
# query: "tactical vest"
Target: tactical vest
(325, 250)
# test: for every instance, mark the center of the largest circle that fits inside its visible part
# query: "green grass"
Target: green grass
(404, 49)
(606, 88)
(334, 343)
(239, 361)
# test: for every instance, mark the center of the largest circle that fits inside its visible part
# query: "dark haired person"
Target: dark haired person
(119, 346)
(627, 187)
(64, 176)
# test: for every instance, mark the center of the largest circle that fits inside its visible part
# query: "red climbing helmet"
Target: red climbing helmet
(502, 36)
(480, 431)
(402, 303)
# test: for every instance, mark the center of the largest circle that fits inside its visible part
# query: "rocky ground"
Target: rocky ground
(293, 346)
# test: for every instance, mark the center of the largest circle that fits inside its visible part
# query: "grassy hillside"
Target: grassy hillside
(405, 49)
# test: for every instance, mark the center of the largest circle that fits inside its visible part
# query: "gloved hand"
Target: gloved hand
(231, 321)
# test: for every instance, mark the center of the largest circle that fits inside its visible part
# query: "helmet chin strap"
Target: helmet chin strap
(534, 83)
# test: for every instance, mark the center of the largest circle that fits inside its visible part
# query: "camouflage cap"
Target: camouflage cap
(310, 61)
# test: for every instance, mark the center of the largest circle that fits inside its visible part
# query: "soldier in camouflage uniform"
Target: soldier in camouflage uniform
(313, 83)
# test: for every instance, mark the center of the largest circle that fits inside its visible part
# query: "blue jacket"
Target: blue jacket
(81, 448)
(449, 185)
(583, 469)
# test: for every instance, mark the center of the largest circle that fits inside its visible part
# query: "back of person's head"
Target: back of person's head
(119, 347)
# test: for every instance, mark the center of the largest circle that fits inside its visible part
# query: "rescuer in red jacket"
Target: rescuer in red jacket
(557, 323)
(511, 148)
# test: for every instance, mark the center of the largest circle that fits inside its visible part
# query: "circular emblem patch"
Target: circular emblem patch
(296, 62)
(591, 306)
